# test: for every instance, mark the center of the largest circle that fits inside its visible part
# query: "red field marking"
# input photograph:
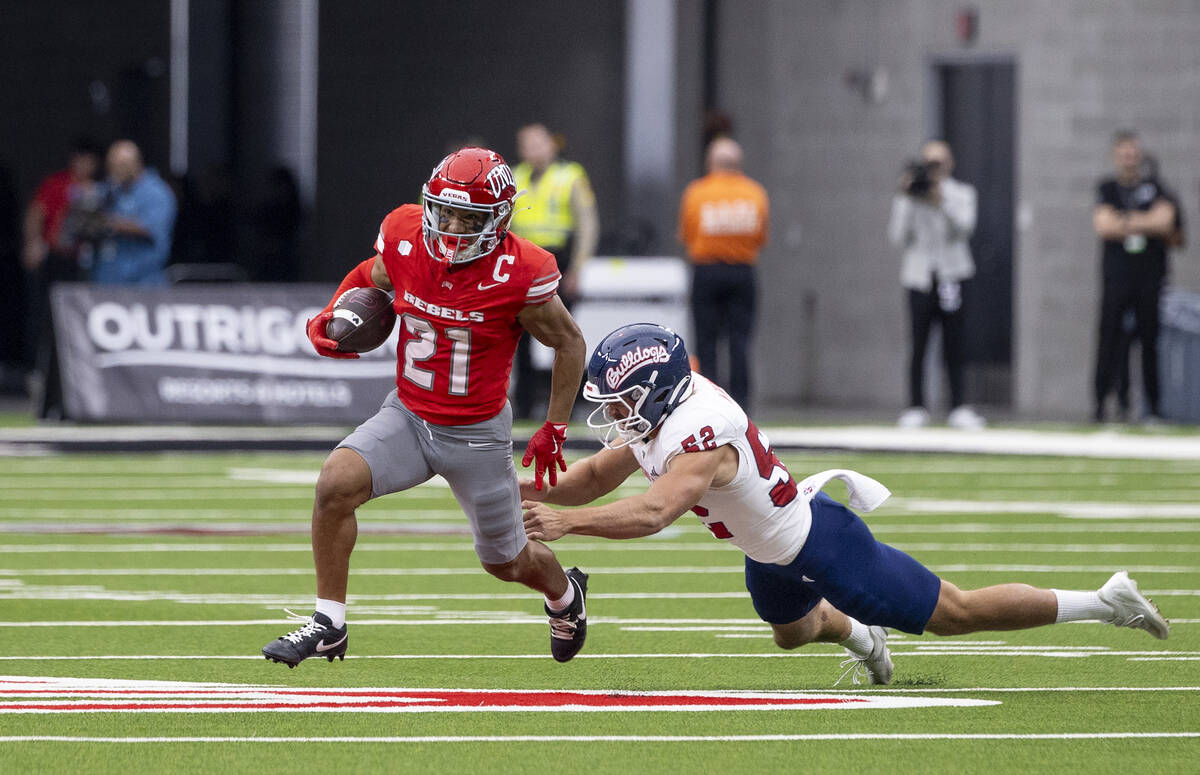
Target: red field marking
(68, 695)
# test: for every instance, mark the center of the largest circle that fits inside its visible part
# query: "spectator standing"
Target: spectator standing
(723, 222)
(556, 212)
(1133, 217)
(1176, 240)
(933, 217)
(138, 219)
(50, 255)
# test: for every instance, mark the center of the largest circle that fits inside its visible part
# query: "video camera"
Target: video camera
(87, 217)
(920, 178)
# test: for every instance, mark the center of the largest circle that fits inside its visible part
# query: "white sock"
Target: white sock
(334, 610)
(1080, 606)
(564, 602)
(859, 643)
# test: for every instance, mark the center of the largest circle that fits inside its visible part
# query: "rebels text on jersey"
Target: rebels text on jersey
(458, 328)
(760, 511)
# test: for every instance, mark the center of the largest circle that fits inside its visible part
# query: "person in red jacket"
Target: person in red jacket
(465, 289)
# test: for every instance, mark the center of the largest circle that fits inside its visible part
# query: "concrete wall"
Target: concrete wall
(832, 327)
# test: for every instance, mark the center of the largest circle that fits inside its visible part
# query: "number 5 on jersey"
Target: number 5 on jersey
(785, 490)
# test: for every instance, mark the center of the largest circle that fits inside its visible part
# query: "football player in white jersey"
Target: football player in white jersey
(813, 569)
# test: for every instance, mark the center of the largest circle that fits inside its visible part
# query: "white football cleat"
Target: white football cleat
(876, 667)
(1131, 608)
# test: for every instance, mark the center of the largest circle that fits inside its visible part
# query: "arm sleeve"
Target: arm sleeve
(715, 430)
(1106, 194)
(158, 216)
(899, 224)
(960, 210)
(687, 224)
(358, 277)
(545, 281)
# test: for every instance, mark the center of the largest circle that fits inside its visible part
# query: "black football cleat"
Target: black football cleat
(568, 629)
(317, 638)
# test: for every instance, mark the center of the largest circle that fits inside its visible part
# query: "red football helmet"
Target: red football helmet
(473, 179)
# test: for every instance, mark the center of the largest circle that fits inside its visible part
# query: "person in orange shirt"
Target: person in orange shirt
(723, 224)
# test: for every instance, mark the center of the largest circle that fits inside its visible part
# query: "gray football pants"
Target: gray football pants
(402, 451)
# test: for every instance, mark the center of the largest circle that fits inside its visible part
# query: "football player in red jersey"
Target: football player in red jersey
(465, 289)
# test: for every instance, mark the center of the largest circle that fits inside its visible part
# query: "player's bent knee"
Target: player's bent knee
(793, 635)
(344, 482)
(952, 615)
(508, 571)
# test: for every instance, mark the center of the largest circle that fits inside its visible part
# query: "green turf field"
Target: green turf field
(175, 569)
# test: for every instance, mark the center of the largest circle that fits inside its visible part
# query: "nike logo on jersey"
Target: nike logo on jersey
(321, 645)
(483, 287)
(806, 578)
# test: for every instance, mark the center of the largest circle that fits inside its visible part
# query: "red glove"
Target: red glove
(358, 277)
(321, 343)
(546, 448)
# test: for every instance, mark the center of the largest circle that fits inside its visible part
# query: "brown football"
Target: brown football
(363, 318)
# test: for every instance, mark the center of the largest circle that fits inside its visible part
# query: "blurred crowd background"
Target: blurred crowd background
(286, 130)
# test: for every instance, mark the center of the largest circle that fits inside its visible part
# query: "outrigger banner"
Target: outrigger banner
(208, 353)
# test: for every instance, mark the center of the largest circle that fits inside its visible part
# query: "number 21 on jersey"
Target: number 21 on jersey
(423, 346)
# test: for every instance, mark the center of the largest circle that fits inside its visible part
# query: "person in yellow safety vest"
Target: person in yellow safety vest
(557, 212)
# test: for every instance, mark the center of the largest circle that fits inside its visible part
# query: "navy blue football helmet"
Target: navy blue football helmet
(638, 374)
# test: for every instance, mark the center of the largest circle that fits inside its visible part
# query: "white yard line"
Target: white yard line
(1126, 509)
(831, 737)
(994, 441)
(176, 519)
(10, 590)
(444, 617)
(631, 571)
(152, 521)
(1018, 499)
(814, 654)
(577, 546)
(1034, 527)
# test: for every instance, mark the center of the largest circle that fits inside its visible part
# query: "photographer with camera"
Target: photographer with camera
(124, 231)
(933, 216)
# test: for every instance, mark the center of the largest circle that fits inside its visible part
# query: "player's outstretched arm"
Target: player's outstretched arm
(668, 498)
(586, 480)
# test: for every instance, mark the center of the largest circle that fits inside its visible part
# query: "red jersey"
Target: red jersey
(458, 328)
(54, 195)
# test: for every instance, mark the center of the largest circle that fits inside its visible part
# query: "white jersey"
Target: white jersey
(761, 511)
